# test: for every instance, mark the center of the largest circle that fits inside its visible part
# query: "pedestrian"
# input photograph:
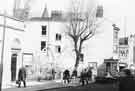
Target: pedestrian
(22, 77)
(53, 74)
(84, 76)
(126, 81)
(89, 74)
(74, 75)
(66, 76)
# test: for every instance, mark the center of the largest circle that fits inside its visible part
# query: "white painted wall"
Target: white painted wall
(10, 36)
(96, 49)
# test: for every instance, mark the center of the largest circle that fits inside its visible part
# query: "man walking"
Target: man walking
(84, 77)
(22, 77)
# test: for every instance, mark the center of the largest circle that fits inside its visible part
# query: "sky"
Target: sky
(120, 12)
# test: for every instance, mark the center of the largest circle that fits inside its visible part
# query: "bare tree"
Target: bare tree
(80, 28)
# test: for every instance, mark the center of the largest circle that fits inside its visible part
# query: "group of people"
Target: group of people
(85, 76)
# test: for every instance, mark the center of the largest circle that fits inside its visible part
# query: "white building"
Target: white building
(41, 43)
(13, 47)
(58, 47)
(48, 44)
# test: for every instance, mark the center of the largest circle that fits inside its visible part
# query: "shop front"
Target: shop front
(111, 66)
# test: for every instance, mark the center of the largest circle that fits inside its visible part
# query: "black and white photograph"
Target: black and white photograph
(67, 45)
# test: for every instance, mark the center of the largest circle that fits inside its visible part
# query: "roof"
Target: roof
(58, 16)
(11, 17)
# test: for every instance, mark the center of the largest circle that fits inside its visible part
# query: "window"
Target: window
(115, 35)
(58, 36)
(44, 32)
(99, 13)
(43, 45)
(58, 49)
(123, 41)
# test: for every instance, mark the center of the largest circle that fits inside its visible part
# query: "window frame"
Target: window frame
(58, 37)
(58, 48)
(44, 30)
(42, 46)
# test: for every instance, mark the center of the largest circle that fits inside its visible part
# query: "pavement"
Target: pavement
(36, 86)
(89, 87)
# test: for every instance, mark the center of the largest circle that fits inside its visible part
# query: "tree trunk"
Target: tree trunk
(78, 52)
(77, 55)
(77, 60)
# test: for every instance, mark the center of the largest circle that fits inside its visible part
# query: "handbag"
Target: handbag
(17, 82)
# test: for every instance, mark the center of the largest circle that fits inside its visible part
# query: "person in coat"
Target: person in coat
(66, 76)
(84, 77)
(22, 77)
(89, 74)
(74, 73)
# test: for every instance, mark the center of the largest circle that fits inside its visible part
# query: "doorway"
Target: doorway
(13, 66)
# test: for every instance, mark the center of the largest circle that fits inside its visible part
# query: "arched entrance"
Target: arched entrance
(13, 66)
(15, 52)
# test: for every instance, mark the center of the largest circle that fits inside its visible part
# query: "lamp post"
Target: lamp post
(2, 51)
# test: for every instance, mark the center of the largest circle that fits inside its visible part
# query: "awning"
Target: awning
(110, 60)
(123, 64)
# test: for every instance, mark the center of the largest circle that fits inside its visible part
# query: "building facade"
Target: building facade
(40, 44)
(13, 47)
(126, 51)
(55, 48)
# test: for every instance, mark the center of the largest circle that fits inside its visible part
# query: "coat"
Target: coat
(84, 75)
(74, 73)
(66, 74)
(22, 74)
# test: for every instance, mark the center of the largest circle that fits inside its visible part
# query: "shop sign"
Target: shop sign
(123, 52)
